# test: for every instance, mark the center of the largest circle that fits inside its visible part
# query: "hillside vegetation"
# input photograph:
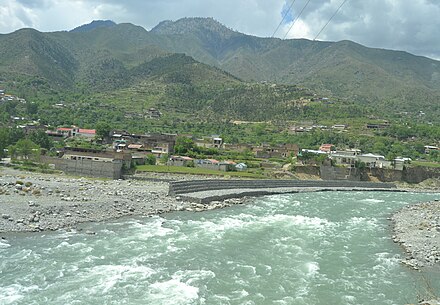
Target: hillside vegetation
(106, 57)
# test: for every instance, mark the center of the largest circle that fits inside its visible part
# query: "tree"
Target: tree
(15, 134)
(41, 139)
(24, 148)
(164, 158)
(183, 145)
(4, 141)
(103, 130)
(31, 108)
(150, 160)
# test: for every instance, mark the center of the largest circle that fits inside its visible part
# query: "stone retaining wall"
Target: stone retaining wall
(409, 174)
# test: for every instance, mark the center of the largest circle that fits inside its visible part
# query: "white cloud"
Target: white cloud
(410, 25)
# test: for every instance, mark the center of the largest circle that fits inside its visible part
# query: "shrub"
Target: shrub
(150, 160)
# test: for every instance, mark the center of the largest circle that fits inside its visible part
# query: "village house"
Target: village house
(339, 127)
(91, 162)
(241, 167)
(278, 151)
(429, 148)
(86, 133)
(76, 153)
(180, 161)
(136, 147)
(374, 161)
(209, 142)
(378, 125)
(32, 127)
(327, 148)
(346, 157)
(153, 113)
(77, 132)
(157, 144)
(65, 131)
(237, 147)
(55, 135)
(213, 164)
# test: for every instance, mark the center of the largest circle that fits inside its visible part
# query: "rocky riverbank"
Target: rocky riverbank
(38, 202)
(417, 229)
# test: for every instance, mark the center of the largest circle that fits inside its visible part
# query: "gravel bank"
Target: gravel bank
(38, 202)
(417, 229)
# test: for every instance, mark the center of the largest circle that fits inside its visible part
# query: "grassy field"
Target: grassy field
(195, 171)
(425, 163)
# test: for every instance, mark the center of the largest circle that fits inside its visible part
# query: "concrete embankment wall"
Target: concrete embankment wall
(184, 187)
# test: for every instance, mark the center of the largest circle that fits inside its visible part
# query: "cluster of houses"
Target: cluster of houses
(225, 166)
(138, 146)
(8, 97)
(351, 157)
(336, 127)
(128, 148)
(309, 128)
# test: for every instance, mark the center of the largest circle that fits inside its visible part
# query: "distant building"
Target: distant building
(153, 113)
(339, 126)
(30, 128)
(378, 125)
(328, 148)
(429, 148)
(277, 151)
(158, 144)
(241, 167)
(91, 162)
(76, 132)
(80, 132)
(213, 164)
(180, 161)
(209, 142)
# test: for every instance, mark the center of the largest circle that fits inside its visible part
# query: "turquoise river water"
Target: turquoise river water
(309, 248)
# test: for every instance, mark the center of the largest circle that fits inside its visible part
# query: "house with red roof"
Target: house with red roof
(76, 132)
(328, 148)
(80, 132)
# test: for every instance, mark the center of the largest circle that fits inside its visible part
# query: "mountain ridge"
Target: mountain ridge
(104, 58)
(93, 25)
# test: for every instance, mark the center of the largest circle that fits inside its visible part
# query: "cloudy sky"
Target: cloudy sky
(409, 25)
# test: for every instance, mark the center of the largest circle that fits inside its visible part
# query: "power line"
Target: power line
(293, 23)
(284, 17)
(343, 2)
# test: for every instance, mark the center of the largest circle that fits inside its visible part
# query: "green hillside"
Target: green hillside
(104, 59)
(343, 69)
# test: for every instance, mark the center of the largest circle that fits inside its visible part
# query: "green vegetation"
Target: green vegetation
(195, 171)
(31, 166)
(425, 164)
(24, 148)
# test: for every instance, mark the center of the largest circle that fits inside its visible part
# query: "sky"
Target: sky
(407, 25)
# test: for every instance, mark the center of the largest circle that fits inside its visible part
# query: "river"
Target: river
(307, 248)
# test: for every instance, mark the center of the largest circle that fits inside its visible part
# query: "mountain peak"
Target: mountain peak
(93, 25)
(192, 25)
